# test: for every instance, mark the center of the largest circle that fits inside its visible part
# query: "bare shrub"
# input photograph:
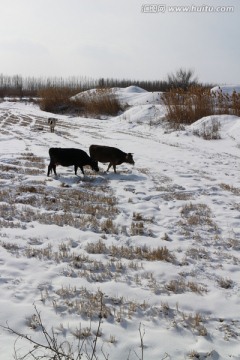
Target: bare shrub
(185, 107)
(55, 99)
(52, 347)
(235, 103)
(182, 79)
(227, 103)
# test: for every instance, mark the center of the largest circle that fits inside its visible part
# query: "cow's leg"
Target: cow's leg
(75, 169)
(81, 167)
(109, 166)
(51, 167)
(54, 169)
(114, 167)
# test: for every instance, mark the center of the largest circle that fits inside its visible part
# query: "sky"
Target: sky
(127, 39)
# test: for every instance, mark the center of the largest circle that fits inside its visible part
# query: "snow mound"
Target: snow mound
(229, 125)
(142, 115)
(132, 95)
(226, 89)
(86, 93)
(128, 91)
(134, 89)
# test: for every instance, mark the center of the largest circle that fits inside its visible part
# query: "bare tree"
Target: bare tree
(182, 79)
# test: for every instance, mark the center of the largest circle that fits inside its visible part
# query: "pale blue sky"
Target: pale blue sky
(116, 39)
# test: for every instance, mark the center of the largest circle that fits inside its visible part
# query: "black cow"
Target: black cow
(68, 157)
(109, 154)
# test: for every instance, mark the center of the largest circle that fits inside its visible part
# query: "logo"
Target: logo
(153, 8)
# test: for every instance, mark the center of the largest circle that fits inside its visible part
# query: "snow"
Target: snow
(134, 95)
(182, 194)
(131, 95)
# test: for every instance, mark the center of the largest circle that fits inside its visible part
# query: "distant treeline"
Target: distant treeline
(18, 86)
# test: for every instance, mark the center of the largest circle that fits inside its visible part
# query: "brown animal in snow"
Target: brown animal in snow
(52, 123)
(113, 155)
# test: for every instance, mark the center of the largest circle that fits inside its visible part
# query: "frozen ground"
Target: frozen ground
(66, 240)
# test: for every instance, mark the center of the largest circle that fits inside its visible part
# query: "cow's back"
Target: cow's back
(105, 153)
(67, 156)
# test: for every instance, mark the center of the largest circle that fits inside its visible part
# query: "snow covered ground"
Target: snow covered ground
(158, 242)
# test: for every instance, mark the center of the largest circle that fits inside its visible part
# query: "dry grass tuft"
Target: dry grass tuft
(85, 207)
(180, 286)
(188, 106)
(234, 190)
(197, 215)
(138, 225)
(131, 253)
(225, 283)
(194, 322)
(93, 304)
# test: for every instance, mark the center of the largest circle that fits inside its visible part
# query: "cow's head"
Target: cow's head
(94, 165)
(129, 159)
